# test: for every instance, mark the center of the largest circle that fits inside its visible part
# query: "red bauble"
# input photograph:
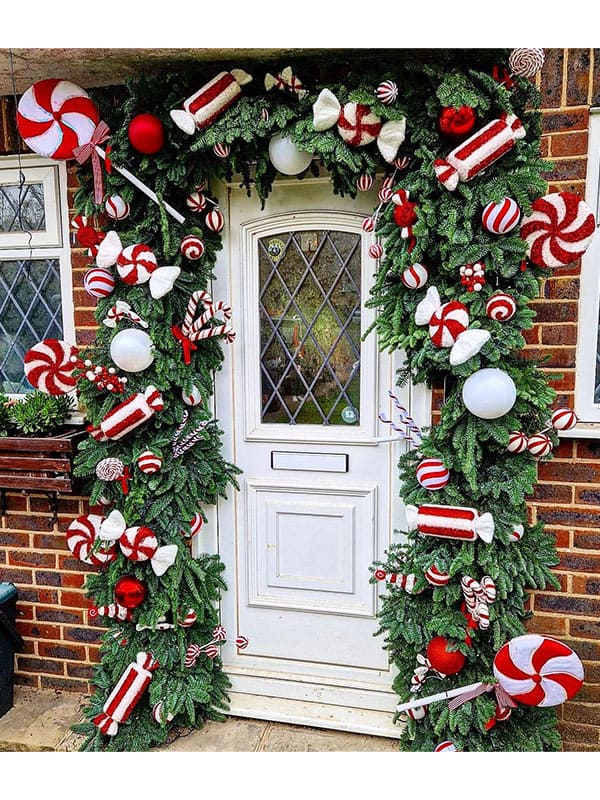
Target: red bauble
(442, 659)
(146, 134)
(405, 215)
(130, 592)
(457, 122)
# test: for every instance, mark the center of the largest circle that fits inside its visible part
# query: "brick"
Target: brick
(592, 673)
(562, 539)
(59, 615)
(583, 584)
(72, 581)
(38, 630)
(49, 541)
(569, 144)
(567, 169)
(563, 472)
(69, 652)
(564, 381)
(585, 629)
(16, 502)
(571, 517)
(578, 712)
(551, 78)
(564, 311)
(591, 496)
(86, 635)
(14, 539)
(578, 733)
(32, 681)
(20, 577)
(48, 578)
(547, 625)
(559, 334)
(573, 119)
(85, 671)
(33, 595)
(552, 493)
(579, 562)
(589, 449)
(534, 335)
(577, 747)
(63, 684)
(545, 146)
(26, 522)
(554, 356)
(580, 606)
(74, 600)
(31, 558)
(40, 665)
(578, 76)
(71, 564)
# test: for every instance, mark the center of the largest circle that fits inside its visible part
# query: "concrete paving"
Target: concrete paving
(41, 721)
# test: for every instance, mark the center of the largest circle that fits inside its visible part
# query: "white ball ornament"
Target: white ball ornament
(489, 393)
(286, 157)
(132, 350)
(415, 276)
(193, 397)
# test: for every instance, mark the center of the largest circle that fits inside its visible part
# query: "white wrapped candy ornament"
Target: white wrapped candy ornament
(128, 415)
(358, 125)
(81, 536)
(127, 693)
(207, 104)
(138, 543)
(136, 265)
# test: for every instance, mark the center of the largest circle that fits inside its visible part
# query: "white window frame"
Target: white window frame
(54, 241)
(587, 411)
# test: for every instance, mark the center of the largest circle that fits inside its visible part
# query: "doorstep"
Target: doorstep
(41, 720)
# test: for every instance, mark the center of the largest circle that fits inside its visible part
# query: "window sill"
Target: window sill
(583, 430)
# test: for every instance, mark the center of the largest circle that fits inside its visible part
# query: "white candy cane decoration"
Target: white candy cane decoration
(397, 580)
(195, 328)
(180, 445)
(477, 597)
(122, 310)
(126, 694)
(407, 427)
(112, 611)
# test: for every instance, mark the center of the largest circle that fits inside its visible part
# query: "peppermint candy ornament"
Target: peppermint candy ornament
(538, 670)
(436, 577)
(81, 536)
(139, 543)
(501, 217)
(116, 208)
(110, 469)
(206, 105)
(387, 92)
(516, 534)
(196, 524)
(563, 419)
(364, 183)
(517, 442)
(368, 224)
(375, 251)
(446, 747)
(49, 366)
(192, 247)
(148, 462)
(558, 230)
(214, 220)
(501, 307)
(193, 397)
(135, 264)
(99, 282)
(415, 276)
(539, 445)
(526, 61)
(196, 202)
(432, 474)
(447, 323)
(450, 522)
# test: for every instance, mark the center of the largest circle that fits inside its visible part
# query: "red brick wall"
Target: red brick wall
(60, 647)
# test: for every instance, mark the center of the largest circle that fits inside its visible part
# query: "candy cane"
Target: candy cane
(180, 447)
(397, 579)
(122, 310)
(192, 329)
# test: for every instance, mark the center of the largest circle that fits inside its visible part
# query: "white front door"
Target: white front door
(298, 399)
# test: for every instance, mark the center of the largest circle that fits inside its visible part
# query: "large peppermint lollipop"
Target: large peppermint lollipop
(49, 366)
(538, 670)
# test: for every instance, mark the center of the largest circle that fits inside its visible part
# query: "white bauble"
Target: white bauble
(489, 393)
(285, 156)
(132, 350)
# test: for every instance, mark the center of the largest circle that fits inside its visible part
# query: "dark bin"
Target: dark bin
(10, 641)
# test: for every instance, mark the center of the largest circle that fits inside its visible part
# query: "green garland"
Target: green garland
(448, 234)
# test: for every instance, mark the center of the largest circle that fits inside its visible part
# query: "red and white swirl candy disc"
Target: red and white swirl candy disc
(501, 307)
(538, 670)
(81, 536)
(49, 366)
(501, 217)
(559, 230)
(432, 474)
(136, 263)
(447, 323)
(138, 543)
(54, 117)
(415, 276)
(192, 247)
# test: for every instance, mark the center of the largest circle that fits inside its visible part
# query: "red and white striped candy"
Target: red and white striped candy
(195, 524)
(126, 695)
(112, 611)
(432, 474)
(489, 588)
(516, 534)
(397, 579)
(517, 442)
(214, 220)
(538, 670)
(387, 92)
(98, 282)
(241, 642)
(368, 224)
(128, 415)
(193, 397)
(138, 543)
(375, 251)
(385, 194)
(149, 462)
(539, 445)
(415, 276)
(135, 264)
(158, 714)
(445, 747)
(54, 117)
(563, 419)
(364, 183)
(196, 201)
(211, 651)
(81, 536)
(49, 366)
(502, 714)
(447, 323)
(189, 619)
(558, 231)
(501, 217)
(219, 633)
(416, 713)
(501, 307)
(210, 101)
(358, 125)
(116, 207)
(436, 577)
(482, 615)
(192, 247)
(450, 522)
(221, 150)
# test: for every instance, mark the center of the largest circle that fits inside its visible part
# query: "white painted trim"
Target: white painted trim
(589, 299)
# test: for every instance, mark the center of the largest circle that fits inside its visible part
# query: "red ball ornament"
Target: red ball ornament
(457, 122)
(130, 592)
(446, 661)
(146, 134)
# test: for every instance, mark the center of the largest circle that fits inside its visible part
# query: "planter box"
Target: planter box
(39, 464)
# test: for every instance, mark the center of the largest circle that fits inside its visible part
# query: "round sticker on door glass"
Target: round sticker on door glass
(275, 250)
(349, 415)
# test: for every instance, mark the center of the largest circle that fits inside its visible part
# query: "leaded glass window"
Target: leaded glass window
(310, 326)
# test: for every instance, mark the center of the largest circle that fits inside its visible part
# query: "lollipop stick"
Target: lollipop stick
(433, 698)
(143, 188)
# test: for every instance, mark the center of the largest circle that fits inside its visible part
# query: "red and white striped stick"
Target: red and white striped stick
(433, 698)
